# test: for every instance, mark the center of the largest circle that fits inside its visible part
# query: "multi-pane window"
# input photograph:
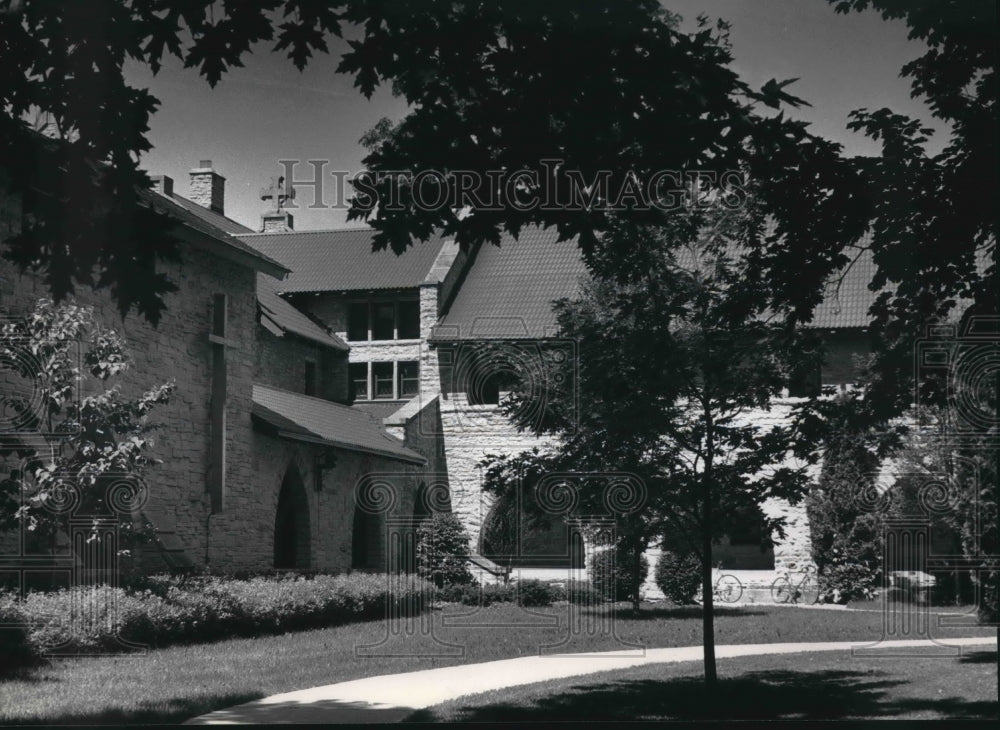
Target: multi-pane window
(359, 380)
(408, 320)
(408, 379)
(385, 380)
(383, 320)
(382, 380)
(357, 321)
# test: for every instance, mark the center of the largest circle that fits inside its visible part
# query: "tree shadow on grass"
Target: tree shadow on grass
(979, 657)
(771, 695)
(171, 711)
(676, 612)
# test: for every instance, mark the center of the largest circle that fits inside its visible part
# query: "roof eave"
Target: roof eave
(311, 438)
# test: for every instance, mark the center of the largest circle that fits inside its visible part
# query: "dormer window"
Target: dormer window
(383, 320)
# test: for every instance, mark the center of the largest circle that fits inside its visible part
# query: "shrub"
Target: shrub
(536, 593)
(582, 592)
(16, 650)
(442, 549)
(94, 619)
(846, 519)
(678, 576)
(612, 574)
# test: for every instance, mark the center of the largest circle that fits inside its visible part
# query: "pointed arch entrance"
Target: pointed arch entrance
(291, 523)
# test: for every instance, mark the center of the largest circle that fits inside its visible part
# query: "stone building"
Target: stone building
(311, 369)
(464, 321)
(262, 455)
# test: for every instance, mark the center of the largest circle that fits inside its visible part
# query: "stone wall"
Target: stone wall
(332, 507)
(179, 349)
(470, 433)
(281, 363)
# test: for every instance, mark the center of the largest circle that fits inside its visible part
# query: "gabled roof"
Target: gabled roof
(343, 260)
(847, 298)
(509, 289)
(213, 237)
(314, 420)
(278, 314)
(209, 216)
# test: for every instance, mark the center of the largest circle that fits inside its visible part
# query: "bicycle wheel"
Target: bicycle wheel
(729, 588)
(809, 590)
(781, 590)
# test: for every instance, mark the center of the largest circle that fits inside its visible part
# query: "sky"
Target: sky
(268, 111)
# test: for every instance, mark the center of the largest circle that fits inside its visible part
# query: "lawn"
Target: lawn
(820, 686)
(173, 684)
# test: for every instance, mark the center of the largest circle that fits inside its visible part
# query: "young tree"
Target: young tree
(677, 351)
(79, 447)
(846, 511)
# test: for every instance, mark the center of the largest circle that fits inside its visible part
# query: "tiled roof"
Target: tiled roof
(378, 409)
(182, 214)
(343, 260)
(303, 417)
(509, 289)
(209, 216)
(847, 297)
(288, 319)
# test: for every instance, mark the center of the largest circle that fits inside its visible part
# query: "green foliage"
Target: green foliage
(846, 519)
(96, 467)
(678, 576)
(536, 593)
(94, 619)
(525, 593)
(612, 573)
(953, 488)
(16, 648)
(442, 550)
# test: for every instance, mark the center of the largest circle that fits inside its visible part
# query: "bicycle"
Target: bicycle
(785, 590)
(727, 588)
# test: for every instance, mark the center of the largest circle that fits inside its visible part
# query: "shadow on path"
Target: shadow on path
(771, 695)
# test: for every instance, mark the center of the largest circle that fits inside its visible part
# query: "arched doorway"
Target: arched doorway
(291, 523)
(366, 541)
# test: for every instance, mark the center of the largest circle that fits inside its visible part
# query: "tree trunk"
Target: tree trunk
(707, 616)
(636, 578)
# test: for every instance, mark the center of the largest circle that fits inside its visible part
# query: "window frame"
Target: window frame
(370, 308)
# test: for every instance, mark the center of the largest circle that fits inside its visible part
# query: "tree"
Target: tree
(672, 361)
(611, 85)
(846, 512)
(81, 447)
(443, 550)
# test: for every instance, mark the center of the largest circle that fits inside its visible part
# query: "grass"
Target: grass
(173, 684)
(820, 686)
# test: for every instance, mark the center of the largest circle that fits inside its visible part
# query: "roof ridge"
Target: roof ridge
(315, 230)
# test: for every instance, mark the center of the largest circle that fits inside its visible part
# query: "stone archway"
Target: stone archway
(292, 533)
(366, 541)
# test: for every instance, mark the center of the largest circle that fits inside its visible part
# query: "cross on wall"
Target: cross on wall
(217, 445)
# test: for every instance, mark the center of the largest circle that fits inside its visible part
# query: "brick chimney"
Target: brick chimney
(163, 184)
(208, 188)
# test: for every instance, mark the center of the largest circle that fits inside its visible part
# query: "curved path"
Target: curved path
(392, 697)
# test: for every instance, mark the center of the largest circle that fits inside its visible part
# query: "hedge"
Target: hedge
(178, 611)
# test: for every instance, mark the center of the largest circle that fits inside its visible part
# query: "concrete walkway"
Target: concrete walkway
(391, 698)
